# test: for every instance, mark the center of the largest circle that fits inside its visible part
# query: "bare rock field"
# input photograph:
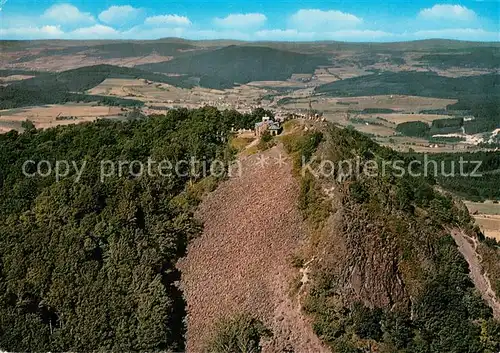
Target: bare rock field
(242, 261)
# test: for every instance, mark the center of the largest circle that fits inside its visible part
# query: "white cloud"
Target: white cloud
(447, 12)
(65, 21)
(94, 32)
(51, 30)
(67, 14)
(240, 20)
(313, 19)
(168, 20)
(43, 32)
(120, 15)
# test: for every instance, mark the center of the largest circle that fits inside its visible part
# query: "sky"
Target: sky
(285, 20)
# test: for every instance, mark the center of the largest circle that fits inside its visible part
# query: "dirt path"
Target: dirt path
(241, 263)
(467, 247)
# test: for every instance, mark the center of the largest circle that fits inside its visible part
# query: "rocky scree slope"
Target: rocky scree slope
(241, 263)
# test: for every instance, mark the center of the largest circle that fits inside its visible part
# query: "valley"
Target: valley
(371, 88)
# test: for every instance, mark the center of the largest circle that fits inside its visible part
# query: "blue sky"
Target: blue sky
(291, 20)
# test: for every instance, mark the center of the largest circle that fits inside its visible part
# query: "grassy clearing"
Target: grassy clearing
(487, 208)
(250, 151)
(290, 125)
(315, 207)
(49, 115)
(404, 118)
(239, 334)
(301, 144)
(240, 143)
(489, 225)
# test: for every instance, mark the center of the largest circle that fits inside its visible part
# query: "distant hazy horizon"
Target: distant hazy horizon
(292, 20)
(229, 41)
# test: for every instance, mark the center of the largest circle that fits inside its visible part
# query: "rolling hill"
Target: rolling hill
(415, 83)
(223, 68)
(115, 50)
(478, 95)
(488, 58)
(52, 88)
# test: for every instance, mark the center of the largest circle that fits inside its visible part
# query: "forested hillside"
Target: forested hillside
(488, 57)
(69, 86)
(8, 72)
(89, 265)
(480, 187)
(415, 83)
(116, 50)
(385, 274)
(478, 95)
(224, 67)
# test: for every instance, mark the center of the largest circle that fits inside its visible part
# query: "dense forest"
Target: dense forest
(378, 228)
(9, 72)
(88, 264)
(482, 187)
(69, 86)
(116, 50)
(424, 130)
(485, 109)
(224, 67)
(377, 111)
(426, 84)
(414, 129)
(487, 58)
